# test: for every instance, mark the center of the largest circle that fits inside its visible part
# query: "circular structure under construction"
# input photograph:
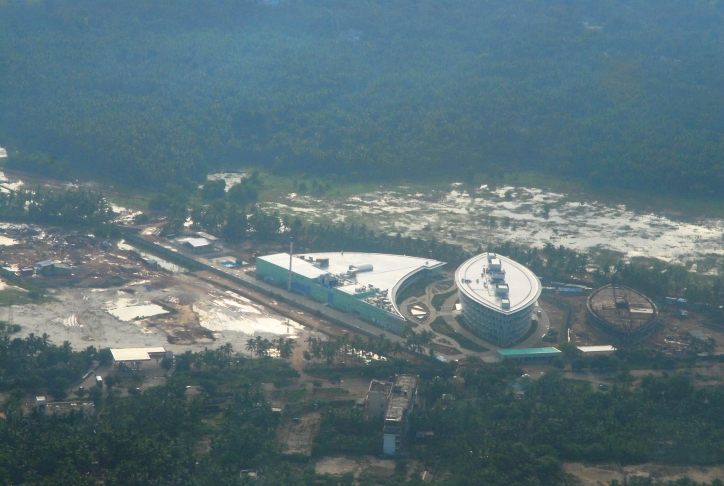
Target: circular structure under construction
(622, 312)
(497, 296)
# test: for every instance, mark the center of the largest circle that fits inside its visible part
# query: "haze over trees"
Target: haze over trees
(494, 427)
(624, 93)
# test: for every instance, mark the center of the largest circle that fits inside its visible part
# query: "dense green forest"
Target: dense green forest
(664, 419)
(493, 428)
(625, 93)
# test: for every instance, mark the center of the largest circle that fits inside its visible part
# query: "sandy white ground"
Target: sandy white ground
(459, 216)
(85, 317)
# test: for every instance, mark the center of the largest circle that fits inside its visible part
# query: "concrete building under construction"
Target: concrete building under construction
(621, 312)
(403, 396)
(393, 401)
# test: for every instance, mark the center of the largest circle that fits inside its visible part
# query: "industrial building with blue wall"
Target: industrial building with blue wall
(365, 284)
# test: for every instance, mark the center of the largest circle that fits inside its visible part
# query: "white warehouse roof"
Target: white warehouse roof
(524, 288)
(382, 271)
(135, 354)
(198, 242)
(596, 349)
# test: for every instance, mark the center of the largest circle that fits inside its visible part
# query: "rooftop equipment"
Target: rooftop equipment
(502, 289)
(505, 304)
(497, 276)
(361, 267)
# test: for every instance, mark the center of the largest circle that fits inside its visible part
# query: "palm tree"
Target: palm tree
(279, 344)
(287, 350)
(262, 347)
(329, 350)
(251, 346)
(259, 342)
(227, 349)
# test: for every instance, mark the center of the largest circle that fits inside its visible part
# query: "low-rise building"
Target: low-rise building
(529, 355)
(51, 267)
(207, 236)
(46, 267)
(378, 396)
(42, 404)
(401, 402)
(596, 350)
(133, 357)
(62, 269)
(198, 245)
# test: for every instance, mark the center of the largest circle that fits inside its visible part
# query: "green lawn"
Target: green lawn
(440, 326)
(20, 297)
(439, 299)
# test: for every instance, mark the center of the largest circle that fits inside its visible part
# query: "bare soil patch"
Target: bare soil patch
(602, 474)
(359, 466)
(298, 436)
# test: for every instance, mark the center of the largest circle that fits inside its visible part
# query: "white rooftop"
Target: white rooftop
(198, 242)
(597, 349)
(524, 287)
(209, 237)
(388, 271)
(135, 354)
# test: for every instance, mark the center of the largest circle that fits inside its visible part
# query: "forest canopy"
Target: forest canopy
(625, 93)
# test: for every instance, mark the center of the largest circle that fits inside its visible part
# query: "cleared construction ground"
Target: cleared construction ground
(621, 312)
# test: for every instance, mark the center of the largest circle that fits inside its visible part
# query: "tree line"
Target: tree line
(492, 427)
(336, 349)
(75, 207)
(619, 93)
(34, 363)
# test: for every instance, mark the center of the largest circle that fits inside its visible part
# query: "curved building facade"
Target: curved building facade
(365, 284)
(497, 296)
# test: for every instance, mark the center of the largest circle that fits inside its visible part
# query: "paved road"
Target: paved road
(372, 330)
(240, 277)
(310, 305)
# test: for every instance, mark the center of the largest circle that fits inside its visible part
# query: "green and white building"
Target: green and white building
(365, 284)
(529, 355)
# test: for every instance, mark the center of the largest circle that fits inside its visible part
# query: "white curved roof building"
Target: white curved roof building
(497, 296)
(363, 283)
